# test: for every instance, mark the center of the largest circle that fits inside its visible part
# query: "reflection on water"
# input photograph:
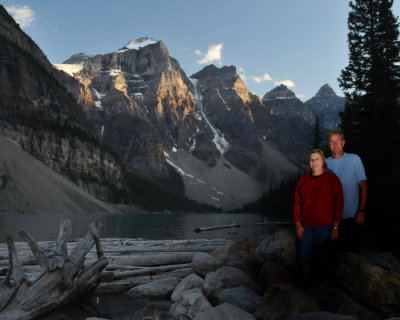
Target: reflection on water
(146, 226)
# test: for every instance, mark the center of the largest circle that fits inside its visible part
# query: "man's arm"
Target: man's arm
(360, 216)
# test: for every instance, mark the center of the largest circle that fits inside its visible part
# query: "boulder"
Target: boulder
(203, 263)
(244, 261)
(190, 303)
(335, 300)
(242, 297)
(155, 289)
(271, 273)
(190, 282)
(320, 315)
(279, 248)
(250, 245)
(224, 311)
(284, 300)
(372, 279)
(226, 277)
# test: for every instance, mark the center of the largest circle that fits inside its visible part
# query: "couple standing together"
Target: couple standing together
(329, 204)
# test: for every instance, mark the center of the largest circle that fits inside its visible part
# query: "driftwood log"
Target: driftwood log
(225, 226)
(63, 277)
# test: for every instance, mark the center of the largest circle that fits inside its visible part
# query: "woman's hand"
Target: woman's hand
(334, 234)
(299, 230)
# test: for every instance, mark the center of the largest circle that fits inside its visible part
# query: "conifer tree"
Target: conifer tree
(371, 83)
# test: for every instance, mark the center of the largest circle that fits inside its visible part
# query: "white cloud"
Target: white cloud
(214, 53)
(23, 15)
(265, 77)
(287, 83)
(300, 96)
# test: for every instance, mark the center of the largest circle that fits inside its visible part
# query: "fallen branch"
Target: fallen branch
(233, 225)
(62, 277)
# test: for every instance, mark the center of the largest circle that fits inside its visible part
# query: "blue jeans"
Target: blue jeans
(316, 246)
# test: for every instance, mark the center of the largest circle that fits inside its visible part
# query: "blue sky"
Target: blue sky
(301, 43)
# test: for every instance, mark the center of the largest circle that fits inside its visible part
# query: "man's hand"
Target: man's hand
(360, 218)
(334, 234)
(299, 230)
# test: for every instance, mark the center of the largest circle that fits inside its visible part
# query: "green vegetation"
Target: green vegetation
(277, 203)
(371, 119)
(158, 193)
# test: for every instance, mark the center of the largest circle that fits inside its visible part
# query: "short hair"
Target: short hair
(321, 153)
(334, 132)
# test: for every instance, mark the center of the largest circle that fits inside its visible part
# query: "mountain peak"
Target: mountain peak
(325, 91)
(78, 58)
(137, 44)
(280, 92)
(212, 70)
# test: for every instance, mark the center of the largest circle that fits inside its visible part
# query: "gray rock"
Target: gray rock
(224, 311)
(279, 248)
(190, 282)
(226, 277)
(156, 289)
(322, 315)
(271, 273)
(284, 300)
(203, 263)
(242, 297)
(244, 261)
(190, 303)
(372, 279)
(337, 301)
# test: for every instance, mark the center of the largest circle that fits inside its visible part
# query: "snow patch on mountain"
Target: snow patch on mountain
(137, 44)
(219, 140)
(71, 69)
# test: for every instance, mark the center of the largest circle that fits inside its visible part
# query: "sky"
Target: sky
(299, 43)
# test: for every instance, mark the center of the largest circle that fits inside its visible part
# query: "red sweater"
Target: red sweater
(318, 201)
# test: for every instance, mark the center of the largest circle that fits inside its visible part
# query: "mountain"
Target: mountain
(27, 185)
(326, 105)
(139, 100)
(283, 101)
(78, 58)
(38, 114)
(208, 128)
(290, 124)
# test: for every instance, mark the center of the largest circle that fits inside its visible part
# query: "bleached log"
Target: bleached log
(153, 259)
(149, 271)
(225, 226)
(62, 278)
(107, 287)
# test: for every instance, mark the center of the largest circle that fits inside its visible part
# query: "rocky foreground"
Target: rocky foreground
(247, 279)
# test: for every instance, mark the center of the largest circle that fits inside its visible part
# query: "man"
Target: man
(350, 170)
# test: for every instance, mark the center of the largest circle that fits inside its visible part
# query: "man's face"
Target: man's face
(336, 144)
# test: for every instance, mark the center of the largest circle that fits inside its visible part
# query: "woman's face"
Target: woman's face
(316, 163)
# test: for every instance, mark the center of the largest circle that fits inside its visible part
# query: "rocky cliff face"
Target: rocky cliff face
(225, 102)
(326, 105)
(142, 82)
(43, 118)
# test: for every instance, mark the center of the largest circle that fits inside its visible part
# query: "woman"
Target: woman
(317, 213)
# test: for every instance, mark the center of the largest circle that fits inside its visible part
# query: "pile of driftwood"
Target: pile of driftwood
(40, 276)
